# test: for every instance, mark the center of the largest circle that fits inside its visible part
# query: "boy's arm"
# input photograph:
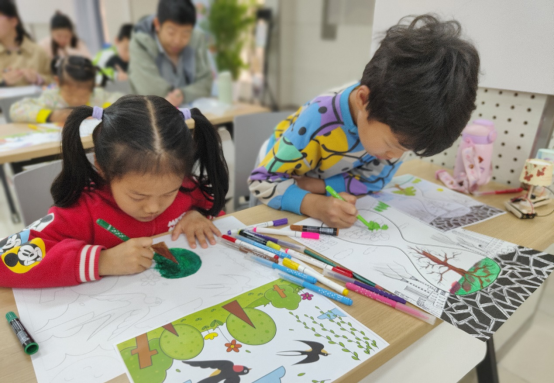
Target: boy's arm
(48, 254)
(31, 109)
(143, 72)
(203, 79)
(366, 179)
(271, 181)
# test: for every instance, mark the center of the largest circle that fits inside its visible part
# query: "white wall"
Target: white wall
(36, 14)
(310, 65)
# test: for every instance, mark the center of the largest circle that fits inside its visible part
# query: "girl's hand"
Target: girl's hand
(196, 227)
(175, 97)
(11, 76)
(131, 257)
(59, 115)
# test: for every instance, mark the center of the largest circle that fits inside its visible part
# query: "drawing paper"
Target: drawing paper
(472, 281)
(278, 332)
(76, 327)
(433, 204)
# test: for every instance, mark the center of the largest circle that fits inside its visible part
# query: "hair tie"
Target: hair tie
(97, 112)
(186, 113)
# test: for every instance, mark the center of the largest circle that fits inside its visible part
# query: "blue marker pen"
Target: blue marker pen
(295, 274)
(317, 289)
(267, 248)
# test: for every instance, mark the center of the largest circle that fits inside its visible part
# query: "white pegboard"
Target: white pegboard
(516, 116)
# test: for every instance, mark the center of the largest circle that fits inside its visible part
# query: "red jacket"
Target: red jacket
(62, 248)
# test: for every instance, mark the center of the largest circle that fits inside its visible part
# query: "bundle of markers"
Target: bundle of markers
(285, 257)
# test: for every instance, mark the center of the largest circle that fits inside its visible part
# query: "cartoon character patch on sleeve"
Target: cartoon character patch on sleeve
(40, 224)
(14, 240)
(23, 258)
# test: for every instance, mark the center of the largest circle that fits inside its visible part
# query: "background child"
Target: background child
(22, 62)
(169, 58)
(417, 93)
(63, 40)
(114, 61)
(75, 76)
(141, 183)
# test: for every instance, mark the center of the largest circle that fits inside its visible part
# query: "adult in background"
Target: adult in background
(63, 40)
(169, 58)
(22, 62)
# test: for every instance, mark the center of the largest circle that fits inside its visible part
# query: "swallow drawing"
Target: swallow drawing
(312, 355)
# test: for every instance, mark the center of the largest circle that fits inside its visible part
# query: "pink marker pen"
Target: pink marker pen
(389, 302)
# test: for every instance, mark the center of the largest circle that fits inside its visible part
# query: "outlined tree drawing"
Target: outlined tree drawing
(482, 274)
(410, 191)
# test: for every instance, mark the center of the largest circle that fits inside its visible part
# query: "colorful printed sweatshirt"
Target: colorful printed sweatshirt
(62, 248)
(320, 140)
(38, 109)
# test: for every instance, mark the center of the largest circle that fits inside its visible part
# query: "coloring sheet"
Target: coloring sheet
(436, 205)
(275, 333)
(76, 327)
(472, 281)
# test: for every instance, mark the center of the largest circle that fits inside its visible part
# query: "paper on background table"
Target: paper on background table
(256, 329)
(19, 91)
(77, 326)
(433, 204)
(470, 280)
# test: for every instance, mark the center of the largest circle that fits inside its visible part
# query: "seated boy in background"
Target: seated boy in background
(169, 58)
(417, 93)
(114, 61)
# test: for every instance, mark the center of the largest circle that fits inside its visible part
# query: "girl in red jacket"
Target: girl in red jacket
(142, 183)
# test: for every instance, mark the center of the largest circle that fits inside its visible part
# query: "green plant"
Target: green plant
(228, 21)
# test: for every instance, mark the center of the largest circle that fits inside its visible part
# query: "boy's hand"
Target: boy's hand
(175, 97)
(121, 74)
(11, 76)
(131, 257)
(59, 115)
(332, 211)
(196, 227)
(313, 185)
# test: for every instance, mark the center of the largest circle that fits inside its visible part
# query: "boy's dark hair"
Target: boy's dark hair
(78, 69)
(423, 83)
(125, 32)
(61, 21)
(9, 9)
(142, 134)
(181, 12)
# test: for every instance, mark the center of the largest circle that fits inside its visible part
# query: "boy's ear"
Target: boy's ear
(156, 24)
(361, 96)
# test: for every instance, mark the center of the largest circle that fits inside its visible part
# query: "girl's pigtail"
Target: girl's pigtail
(77, 172)
(213, 175)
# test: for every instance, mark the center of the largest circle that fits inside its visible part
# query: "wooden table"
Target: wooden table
(398, 329)
(53, 148)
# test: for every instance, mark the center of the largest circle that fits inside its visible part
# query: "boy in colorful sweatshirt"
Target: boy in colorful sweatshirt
(417, 93)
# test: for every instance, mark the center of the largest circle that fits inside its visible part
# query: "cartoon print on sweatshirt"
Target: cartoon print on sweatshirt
(23, 258)
(40, 224)
(14, 240)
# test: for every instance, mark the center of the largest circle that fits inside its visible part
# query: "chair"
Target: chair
(250, 131)
(32, 188)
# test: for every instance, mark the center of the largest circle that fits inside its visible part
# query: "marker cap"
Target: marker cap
(290, 264)
(273, 245)
(280, 222)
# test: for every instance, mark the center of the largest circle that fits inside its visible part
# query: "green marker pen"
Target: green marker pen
(103, 224)
(28, 343)
(336, 195)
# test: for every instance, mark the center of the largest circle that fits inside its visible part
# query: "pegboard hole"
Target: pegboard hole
(522, 135)
(500, 156)
(512, 107)
(511, 170)
(532, 96)
(528, 109)
(486, 90)
(515, 94)
(503, 144)
(482, 102)
(497, 105)
(519, 147)
(500, 92)
(505, 132)
(496, 167)
(509, 120)
(494, 178)
(494, 117)
(508, 182)
(524, 122)
(480, 114)
(515, 159)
